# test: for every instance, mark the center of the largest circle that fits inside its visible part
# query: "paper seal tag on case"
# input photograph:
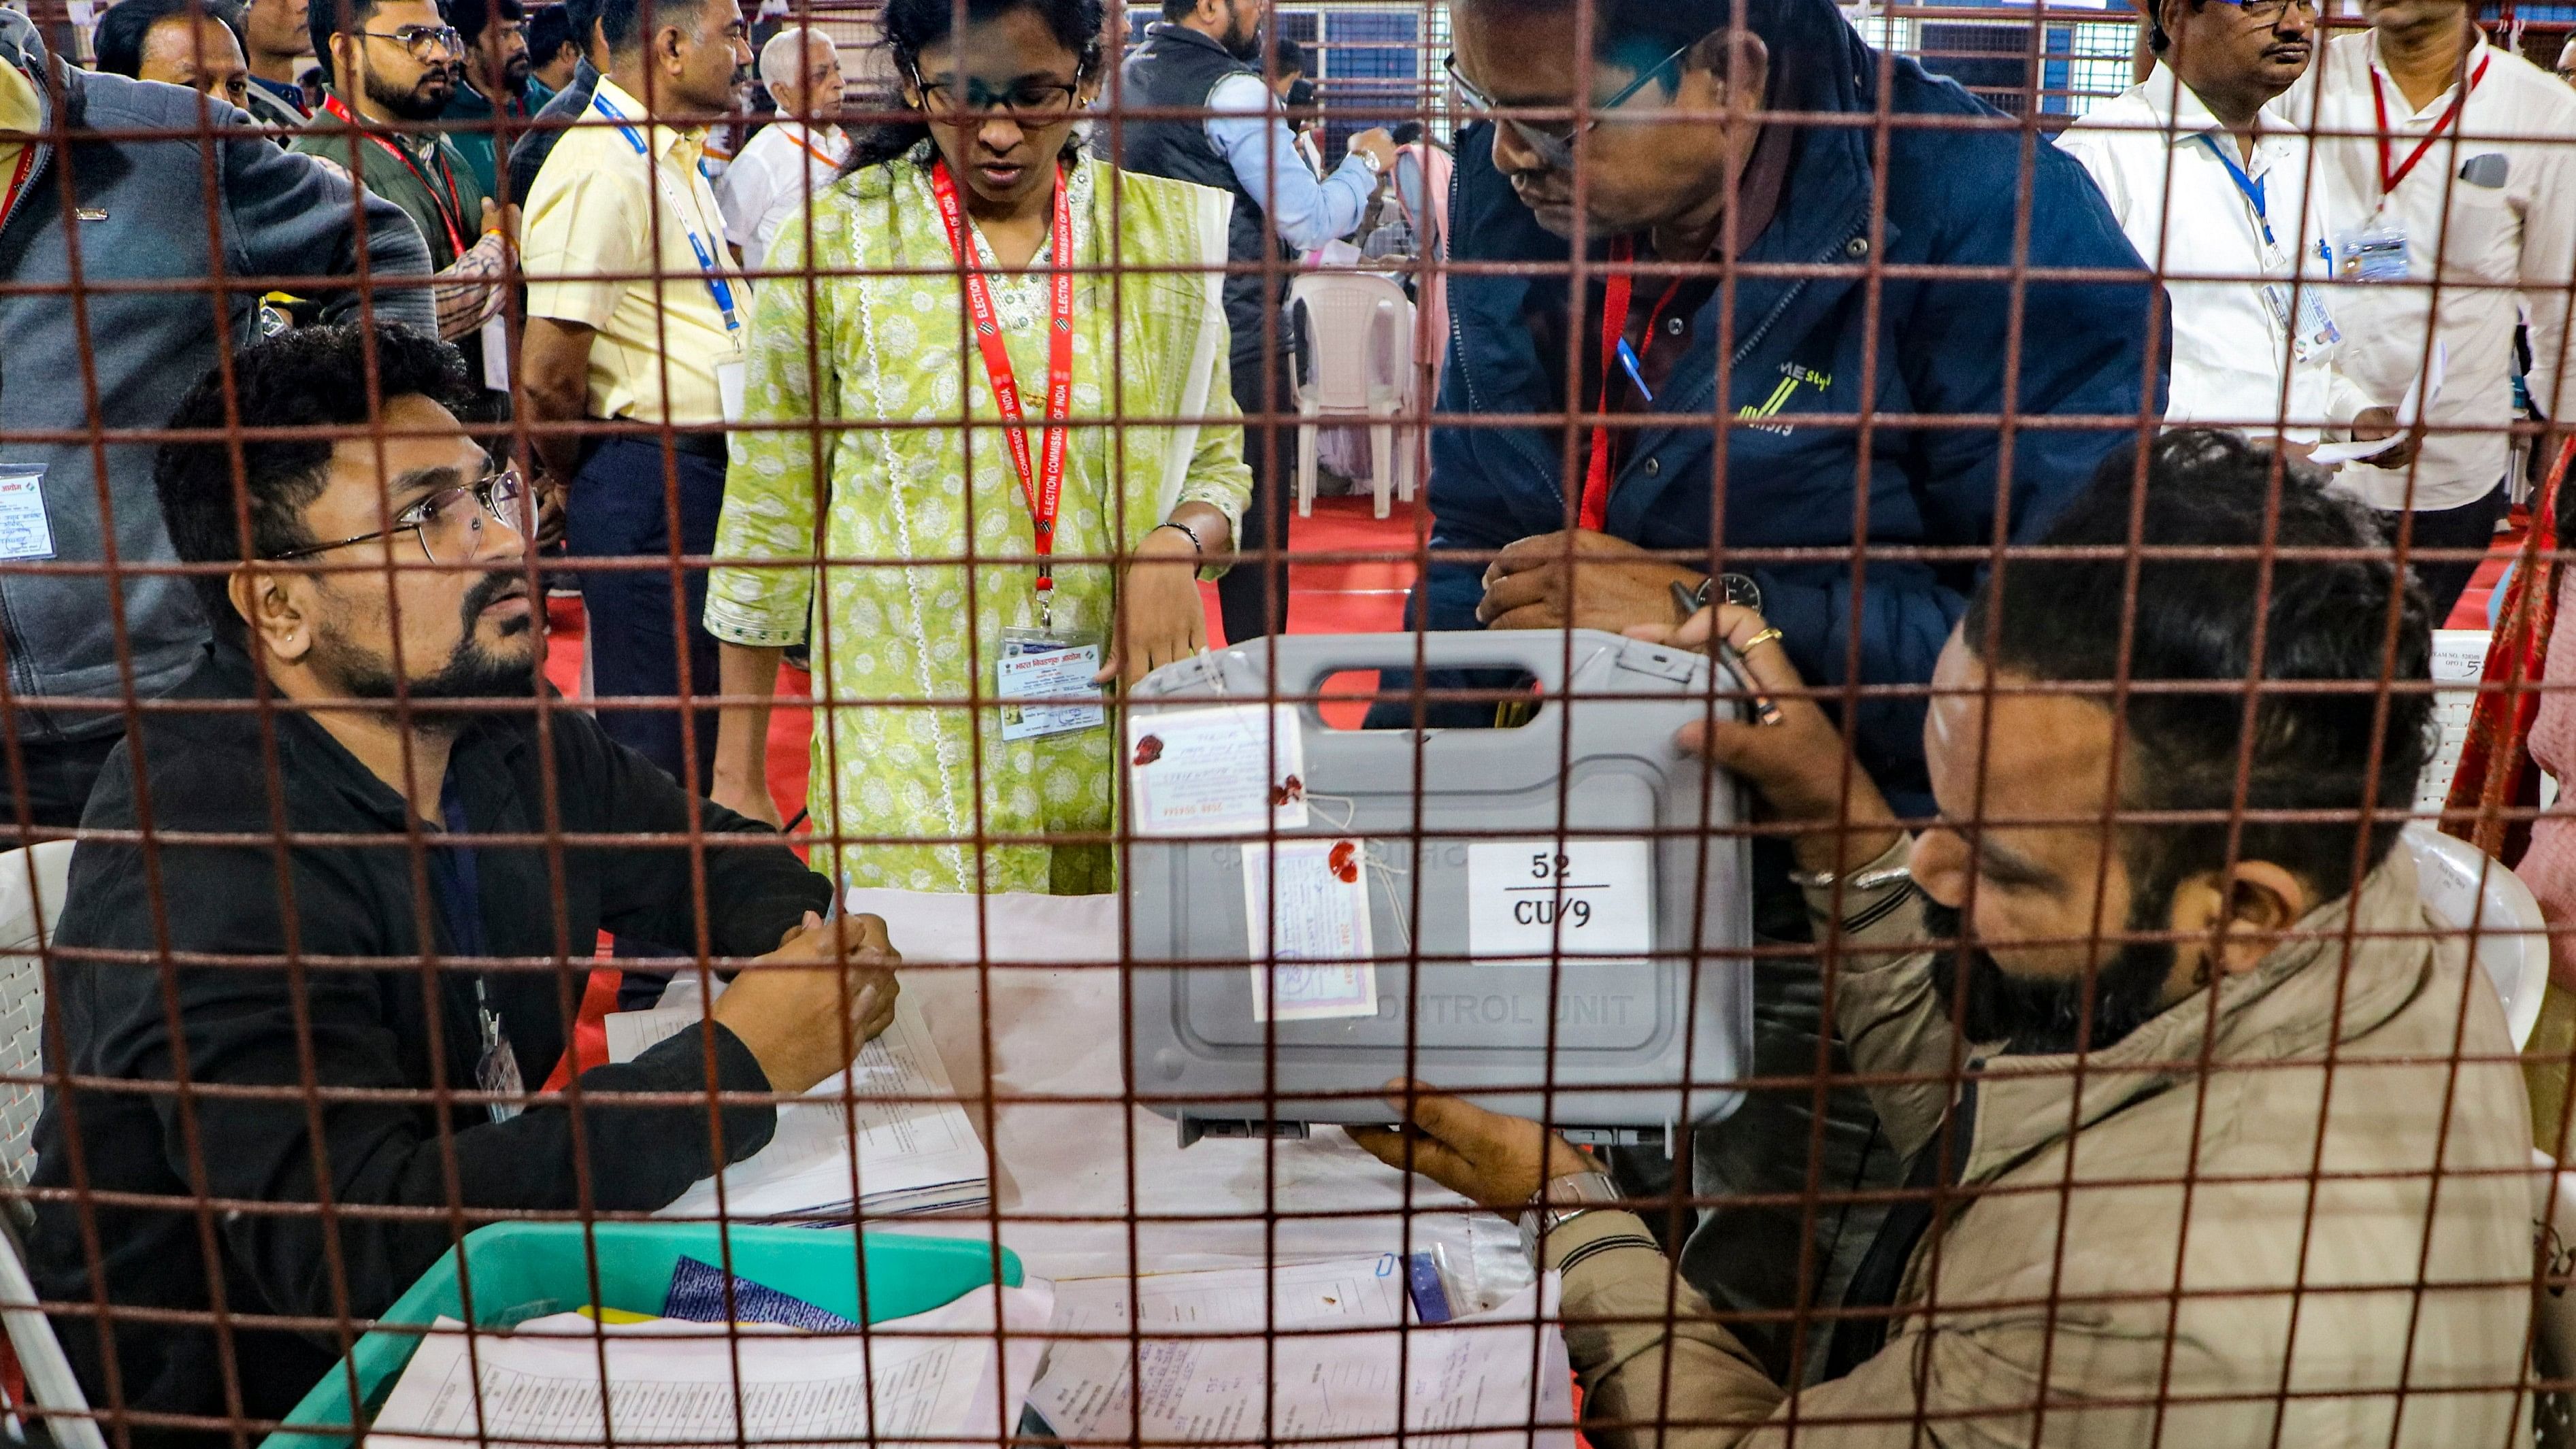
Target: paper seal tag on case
(1306, 905)
(1236, 769)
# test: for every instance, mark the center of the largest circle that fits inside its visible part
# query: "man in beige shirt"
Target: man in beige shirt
(2292, 1204)
(636, 316)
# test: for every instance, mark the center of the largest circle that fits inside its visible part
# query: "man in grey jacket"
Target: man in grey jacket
(115, 237)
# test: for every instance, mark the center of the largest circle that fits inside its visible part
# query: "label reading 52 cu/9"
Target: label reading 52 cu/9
(1582, 901)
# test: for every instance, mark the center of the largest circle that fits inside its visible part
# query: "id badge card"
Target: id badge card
(1044, 679)
(2376, 253)
(2312, 331)
(25, 530)
(496, 1071)
(732, 386)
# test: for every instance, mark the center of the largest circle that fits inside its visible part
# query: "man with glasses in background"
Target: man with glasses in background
(1202, 64)
(1823, 407)
(636, 317)
(393, 65)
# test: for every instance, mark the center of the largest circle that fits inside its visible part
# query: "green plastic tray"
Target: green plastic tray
(521, 1271)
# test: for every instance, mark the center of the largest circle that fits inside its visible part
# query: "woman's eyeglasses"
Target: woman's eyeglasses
(449, 522)
(1554, 141)
(1029, 102)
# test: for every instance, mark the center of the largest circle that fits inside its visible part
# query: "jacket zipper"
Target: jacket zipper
(35, 169)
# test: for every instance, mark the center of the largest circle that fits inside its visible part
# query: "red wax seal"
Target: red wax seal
(1149, 749)
(1344, 859)
(1287, 790)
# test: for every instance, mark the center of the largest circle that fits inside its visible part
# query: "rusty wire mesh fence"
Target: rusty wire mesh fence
(691, 760)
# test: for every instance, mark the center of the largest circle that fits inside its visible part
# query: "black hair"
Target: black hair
(1405, 133)
(308, 377)
(1287, 57)
(472, 17)
(584, 15)
(1801, 35)
(2160, 40)
(912, 26)
(549, 31)
(621, 22)
(325, 19)
(2194, 619)
(119, 38)
(1176, 11)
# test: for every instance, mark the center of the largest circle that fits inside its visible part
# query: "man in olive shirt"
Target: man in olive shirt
(392, 72)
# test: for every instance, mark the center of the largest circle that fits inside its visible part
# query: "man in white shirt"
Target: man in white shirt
(2442, 158)
(2205, 190)
(795, 155)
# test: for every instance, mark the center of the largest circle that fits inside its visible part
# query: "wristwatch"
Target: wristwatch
(1736, 589)
(1560, 1201)
(1369, 160)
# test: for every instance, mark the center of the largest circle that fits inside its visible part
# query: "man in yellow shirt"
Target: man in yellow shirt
(636, 316)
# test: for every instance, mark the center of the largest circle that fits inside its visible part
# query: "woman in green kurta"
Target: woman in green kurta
(922, 573)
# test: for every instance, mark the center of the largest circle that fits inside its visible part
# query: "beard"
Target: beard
(515, 74)
(470, 672)
(1244, 44)
(423, 100)
(2044, 1016)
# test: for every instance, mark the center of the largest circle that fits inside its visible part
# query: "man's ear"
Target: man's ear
(2239, 920)
(266, 601)
(1734, 67)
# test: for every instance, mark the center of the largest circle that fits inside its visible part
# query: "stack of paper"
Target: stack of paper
(1493, 1381)
(940, 1376)
(915, 1150)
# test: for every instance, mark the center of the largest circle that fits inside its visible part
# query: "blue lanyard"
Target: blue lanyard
(717, 286)
(2252, 188)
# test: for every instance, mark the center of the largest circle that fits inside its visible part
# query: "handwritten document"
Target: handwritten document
(941, 1375)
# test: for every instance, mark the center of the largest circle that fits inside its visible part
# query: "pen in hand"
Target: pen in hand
(1764, 711)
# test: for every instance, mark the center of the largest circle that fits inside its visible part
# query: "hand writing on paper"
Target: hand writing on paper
(1492, 1159)
(805, 1009)
(1795, 766)
(1608, 583)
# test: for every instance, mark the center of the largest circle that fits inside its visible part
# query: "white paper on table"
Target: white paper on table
(2420, 397)
(1471, 1382)
(911, 1135)
(936, 1375)
(1306, 908)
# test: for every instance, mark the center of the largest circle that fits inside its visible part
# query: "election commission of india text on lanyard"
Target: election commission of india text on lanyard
(2378, 252)
(450, 207)
(729, 374)
(1043, 676)
(1616, 293)
(2313, 329)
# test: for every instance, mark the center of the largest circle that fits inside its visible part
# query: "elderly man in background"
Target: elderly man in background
(795, 155)
(192, 43)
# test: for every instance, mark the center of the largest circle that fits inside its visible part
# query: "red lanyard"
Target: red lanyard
(1042, 486)
(17, 178)
(1615, 294)
(2388, 180)
(452, 214)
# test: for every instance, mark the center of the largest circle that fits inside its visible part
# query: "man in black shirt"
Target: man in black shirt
(357, 964)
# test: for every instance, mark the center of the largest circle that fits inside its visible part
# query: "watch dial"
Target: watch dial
(1742, 592)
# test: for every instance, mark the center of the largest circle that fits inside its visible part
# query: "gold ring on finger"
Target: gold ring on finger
(1767, 636)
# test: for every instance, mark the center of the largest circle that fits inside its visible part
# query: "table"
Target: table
(1063, 1137)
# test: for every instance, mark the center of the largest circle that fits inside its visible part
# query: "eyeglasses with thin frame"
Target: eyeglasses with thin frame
(2269, 12)
(425, 42)
(1037, 102)
(449, 523)
(1554, 142)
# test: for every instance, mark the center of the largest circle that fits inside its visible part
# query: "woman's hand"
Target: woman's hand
(1161, 617)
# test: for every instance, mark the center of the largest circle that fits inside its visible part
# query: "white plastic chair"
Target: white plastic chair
(1355, 345)
(2466, 888)
(31, 896)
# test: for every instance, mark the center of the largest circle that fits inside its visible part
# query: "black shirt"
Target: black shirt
(359, 998)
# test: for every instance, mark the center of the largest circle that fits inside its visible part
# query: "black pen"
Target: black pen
(1764, 711)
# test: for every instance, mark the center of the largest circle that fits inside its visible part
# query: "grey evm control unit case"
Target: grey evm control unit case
(1642, 1042)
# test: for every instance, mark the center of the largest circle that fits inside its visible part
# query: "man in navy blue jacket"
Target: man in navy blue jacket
(1852, 414)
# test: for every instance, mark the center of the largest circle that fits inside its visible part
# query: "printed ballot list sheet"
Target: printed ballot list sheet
(1478, 1383)
(672, 1382)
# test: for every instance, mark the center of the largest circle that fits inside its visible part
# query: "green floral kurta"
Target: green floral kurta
(903, 650)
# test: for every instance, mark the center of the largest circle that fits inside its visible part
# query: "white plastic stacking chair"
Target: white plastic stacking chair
(1355, 345)
(2463, 886)
(31, 894)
